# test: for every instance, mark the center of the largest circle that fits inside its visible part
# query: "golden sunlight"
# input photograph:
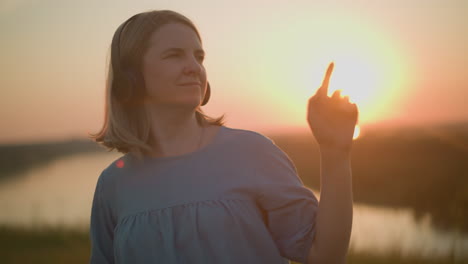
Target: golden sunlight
(371, 80)
(287, 65)
(372, 76)
(370, 67)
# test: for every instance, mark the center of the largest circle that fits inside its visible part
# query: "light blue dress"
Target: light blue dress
(236, 200)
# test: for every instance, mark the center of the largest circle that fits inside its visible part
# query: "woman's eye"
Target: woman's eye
(173, 55)
(200, 58)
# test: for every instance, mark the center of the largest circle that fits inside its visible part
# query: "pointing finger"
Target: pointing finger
(323, 90)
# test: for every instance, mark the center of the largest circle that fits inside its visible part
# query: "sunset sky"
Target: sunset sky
(402, 62)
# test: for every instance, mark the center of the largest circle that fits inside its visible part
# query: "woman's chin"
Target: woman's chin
(189, 103)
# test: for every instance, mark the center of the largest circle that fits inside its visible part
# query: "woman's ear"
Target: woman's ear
(207, 94)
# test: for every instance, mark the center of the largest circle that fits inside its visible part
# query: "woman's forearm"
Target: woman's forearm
(335, 211)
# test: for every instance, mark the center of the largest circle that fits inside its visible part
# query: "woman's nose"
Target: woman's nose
(192, 66)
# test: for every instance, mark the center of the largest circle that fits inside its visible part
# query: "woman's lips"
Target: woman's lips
(191, 84)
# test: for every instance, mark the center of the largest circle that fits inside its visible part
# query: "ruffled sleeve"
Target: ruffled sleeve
(101, 227)
(289, 206)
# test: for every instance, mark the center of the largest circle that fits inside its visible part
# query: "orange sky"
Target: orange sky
(401, 61)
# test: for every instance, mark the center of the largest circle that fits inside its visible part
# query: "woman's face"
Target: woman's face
(173, 68)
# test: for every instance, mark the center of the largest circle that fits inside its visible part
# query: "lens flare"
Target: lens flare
(357, 132)
(120, 163)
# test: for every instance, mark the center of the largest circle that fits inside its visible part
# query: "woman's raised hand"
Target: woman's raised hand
(332, 119)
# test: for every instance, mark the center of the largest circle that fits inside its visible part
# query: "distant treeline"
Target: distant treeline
(16, 158)
(422, 168)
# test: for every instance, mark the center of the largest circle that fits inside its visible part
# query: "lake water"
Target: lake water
(61, 192)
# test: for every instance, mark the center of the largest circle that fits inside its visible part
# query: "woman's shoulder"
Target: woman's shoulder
(263, 150)
(254, 142)
(114, 169)
(248, 136)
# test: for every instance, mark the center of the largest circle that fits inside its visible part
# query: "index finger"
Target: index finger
(323, 90)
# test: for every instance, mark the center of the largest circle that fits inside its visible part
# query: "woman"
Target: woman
(189, 189)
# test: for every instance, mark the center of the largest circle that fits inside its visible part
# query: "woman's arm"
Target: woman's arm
(335, 211)
(332, 121)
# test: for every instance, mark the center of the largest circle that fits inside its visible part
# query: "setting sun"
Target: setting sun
(357, 132)
(370, 66)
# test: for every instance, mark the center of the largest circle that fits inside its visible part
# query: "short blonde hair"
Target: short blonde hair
(126, 118)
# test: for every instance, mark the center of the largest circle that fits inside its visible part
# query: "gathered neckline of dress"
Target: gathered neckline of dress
(186, 155)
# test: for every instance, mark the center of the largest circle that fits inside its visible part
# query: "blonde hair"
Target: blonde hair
(126, 124)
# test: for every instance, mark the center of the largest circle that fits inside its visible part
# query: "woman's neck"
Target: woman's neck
(175, 135)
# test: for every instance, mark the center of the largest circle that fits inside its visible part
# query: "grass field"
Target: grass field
(59, 245)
